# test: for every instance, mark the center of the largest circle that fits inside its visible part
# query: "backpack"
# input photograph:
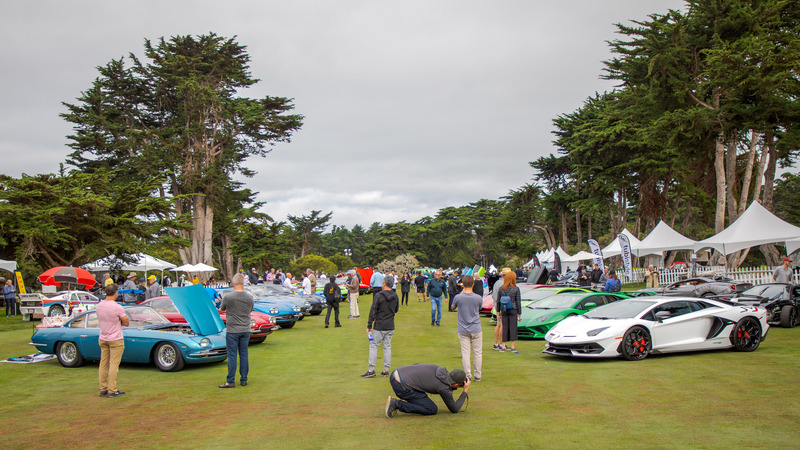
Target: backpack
(616, 287)
(505, 301)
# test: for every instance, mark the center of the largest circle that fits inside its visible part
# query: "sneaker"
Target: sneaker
(115, 394)
(385, 373)
(501, 348)
(326, 325)
(438, 325)
(512, 350)
(477, 380)
(369, 374)
(495, 347)
(338, 325)
(391, 407)
(433, 323)
(227, 385)
(243, 383)
(103, 393)
(350, 317)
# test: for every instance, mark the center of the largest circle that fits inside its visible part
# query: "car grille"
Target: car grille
(218, 351)
(568, 349)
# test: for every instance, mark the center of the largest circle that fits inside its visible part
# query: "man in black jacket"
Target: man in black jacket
(413, 383)
(453, 289)
(384, 306)
(332, 294)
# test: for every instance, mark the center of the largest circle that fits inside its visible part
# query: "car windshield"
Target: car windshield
(141, 316)
(538, 294)
(163, 305)
(269, 289)
(770, 291)
(620, 310)
(560, 301)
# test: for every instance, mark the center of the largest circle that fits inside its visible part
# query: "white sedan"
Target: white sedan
(634, 328)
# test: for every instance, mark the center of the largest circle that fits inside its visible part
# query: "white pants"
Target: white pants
(354, 304)
(472, 344)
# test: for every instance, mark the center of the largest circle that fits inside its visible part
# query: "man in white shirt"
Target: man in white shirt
(307, 285)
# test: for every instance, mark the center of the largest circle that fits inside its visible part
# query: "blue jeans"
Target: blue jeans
(436, 305)
(237, 342)
(412, 401)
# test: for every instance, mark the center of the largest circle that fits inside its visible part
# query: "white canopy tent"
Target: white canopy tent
(756, 226)
(613, 248)
(142, 263)
(10, 266)
(550, 257)
(662, 238)
(195, 268)
(580, 256)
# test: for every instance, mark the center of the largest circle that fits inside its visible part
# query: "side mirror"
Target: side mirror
(661, 315)
(590, 305)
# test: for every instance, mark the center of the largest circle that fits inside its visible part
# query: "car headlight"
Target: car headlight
(308, 303)
(543, 318)
(273, 311)
(252, 323)
(204, 342)
(596, 331)
(296, 308)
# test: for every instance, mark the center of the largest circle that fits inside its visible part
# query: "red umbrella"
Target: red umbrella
(74, 275)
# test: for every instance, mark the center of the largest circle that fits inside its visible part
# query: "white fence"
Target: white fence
(754, 275)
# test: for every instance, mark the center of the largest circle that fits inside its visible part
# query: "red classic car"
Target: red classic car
(261, 325)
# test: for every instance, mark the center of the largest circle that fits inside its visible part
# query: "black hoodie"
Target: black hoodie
(384, 306)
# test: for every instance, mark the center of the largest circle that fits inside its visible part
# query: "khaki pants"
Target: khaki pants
(110, 356)
(472, 344)
(353, 304)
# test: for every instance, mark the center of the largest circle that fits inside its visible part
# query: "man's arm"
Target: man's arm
(454, 405)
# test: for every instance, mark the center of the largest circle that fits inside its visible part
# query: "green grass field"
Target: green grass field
(305, 391)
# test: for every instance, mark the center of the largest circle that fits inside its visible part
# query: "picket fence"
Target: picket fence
(754, 275)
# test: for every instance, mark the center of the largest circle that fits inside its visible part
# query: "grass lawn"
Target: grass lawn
(305, 391)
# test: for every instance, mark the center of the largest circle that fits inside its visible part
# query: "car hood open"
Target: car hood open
(197, 308)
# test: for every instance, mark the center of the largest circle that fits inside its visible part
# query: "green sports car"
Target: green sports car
(539, 317)
(531, 296)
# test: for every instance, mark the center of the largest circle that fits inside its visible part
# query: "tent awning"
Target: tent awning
(142, 263)
(662, 238)
(10, 266)
(613, 248)
(580, 256)
(756, 226)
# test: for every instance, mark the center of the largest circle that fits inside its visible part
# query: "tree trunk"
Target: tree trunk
(589, 223)
(578, 230)
(226, 259)
(760, 173)
(675, 209)
(748, 172)
(686, 216)
(730, 179)
(564, 241)
(769, 172)
(719, 171)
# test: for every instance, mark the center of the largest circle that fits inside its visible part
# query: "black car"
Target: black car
(781, 300)
(703, 287)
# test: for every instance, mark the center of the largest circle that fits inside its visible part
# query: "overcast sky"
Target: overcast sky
(410, 106)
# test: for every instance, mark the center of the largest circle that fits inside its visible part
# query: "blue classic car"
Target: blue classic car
(149, 337)
(285, 313)
(309, 304)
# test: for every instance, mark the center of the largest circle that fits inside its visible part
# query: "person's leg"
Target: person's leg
(433, 310)
(231, 345)
(411, 401)
(439, 311)
(356, 302)
(387, 349)
(498, 331)
(328, 315)
(373, 349)
(353, 303)
(464, 339)
(244, 362)
(336, 311)
(476, 342)
(115, 356)
(104, 358)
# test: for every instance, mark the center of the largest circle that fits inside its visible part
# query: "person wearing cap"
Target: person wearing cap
(353, 286)
(130, 285)
(384, 306)
(783, 274)
(238, 306)
(412, 384)
(468, 304)
(253, 276)
(154, 290)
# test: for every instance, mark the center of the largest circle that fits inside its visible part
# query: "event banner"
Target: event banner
(20, 283)
(536, 261)
(595, 248)
(625, 247)
(556, 262)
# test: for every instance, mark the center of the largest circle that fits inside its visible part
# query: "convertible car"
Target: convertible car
(781, 301)
(539, 317)
(636, 327)
(702, 287)
(261, 325)
(150, 337)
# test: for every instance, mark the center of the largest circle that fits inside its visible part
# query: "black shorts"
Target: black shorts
(420, 290)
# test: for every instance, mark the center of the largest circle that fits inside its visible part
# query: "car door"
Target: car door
(89, 335)
(685, 329)
(598, 300)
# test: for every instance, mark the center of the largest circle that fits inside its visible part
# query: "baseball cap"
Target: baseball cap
(456, 376)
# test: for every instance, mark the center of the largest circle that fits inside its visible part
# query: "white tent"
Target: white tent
(756, 226)
(10, 266)
(195, 268)
(662, 238)
(792, 246)
(550, 257)
(580, 256)
(142, 263)
(613, 248)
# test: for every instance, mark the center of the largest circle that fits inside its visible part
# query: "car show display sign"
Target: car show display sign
(20, 283)
(625, 247)
(595, 248)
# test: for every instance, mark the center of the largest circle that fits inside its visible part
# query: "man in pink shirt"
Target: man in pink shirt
(112, 318)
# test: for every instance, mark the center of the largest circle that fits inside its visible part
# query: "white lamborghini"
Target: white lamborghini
(636, 327)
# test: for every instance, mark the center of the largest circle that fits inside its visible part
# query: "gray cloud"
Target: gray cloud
(410, 106)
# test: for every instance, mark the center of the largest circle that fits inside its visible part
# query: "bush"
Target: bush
(313, 262)
(401, 264)
(343, 263)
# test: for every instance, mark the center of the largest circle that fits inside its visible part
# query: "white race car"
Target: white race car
(636, 327)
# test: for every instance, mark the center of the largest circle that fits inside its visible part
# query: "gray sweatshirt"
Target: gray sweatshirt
(238, 306)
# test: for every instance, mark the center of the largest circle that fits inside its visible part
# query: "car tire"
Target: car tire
(258, 340)
(69, 355)
(301, 317)
(167, 357)
(56, 310)
(788, 316)
(286, 326)
(636, 344)
(746, 335)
